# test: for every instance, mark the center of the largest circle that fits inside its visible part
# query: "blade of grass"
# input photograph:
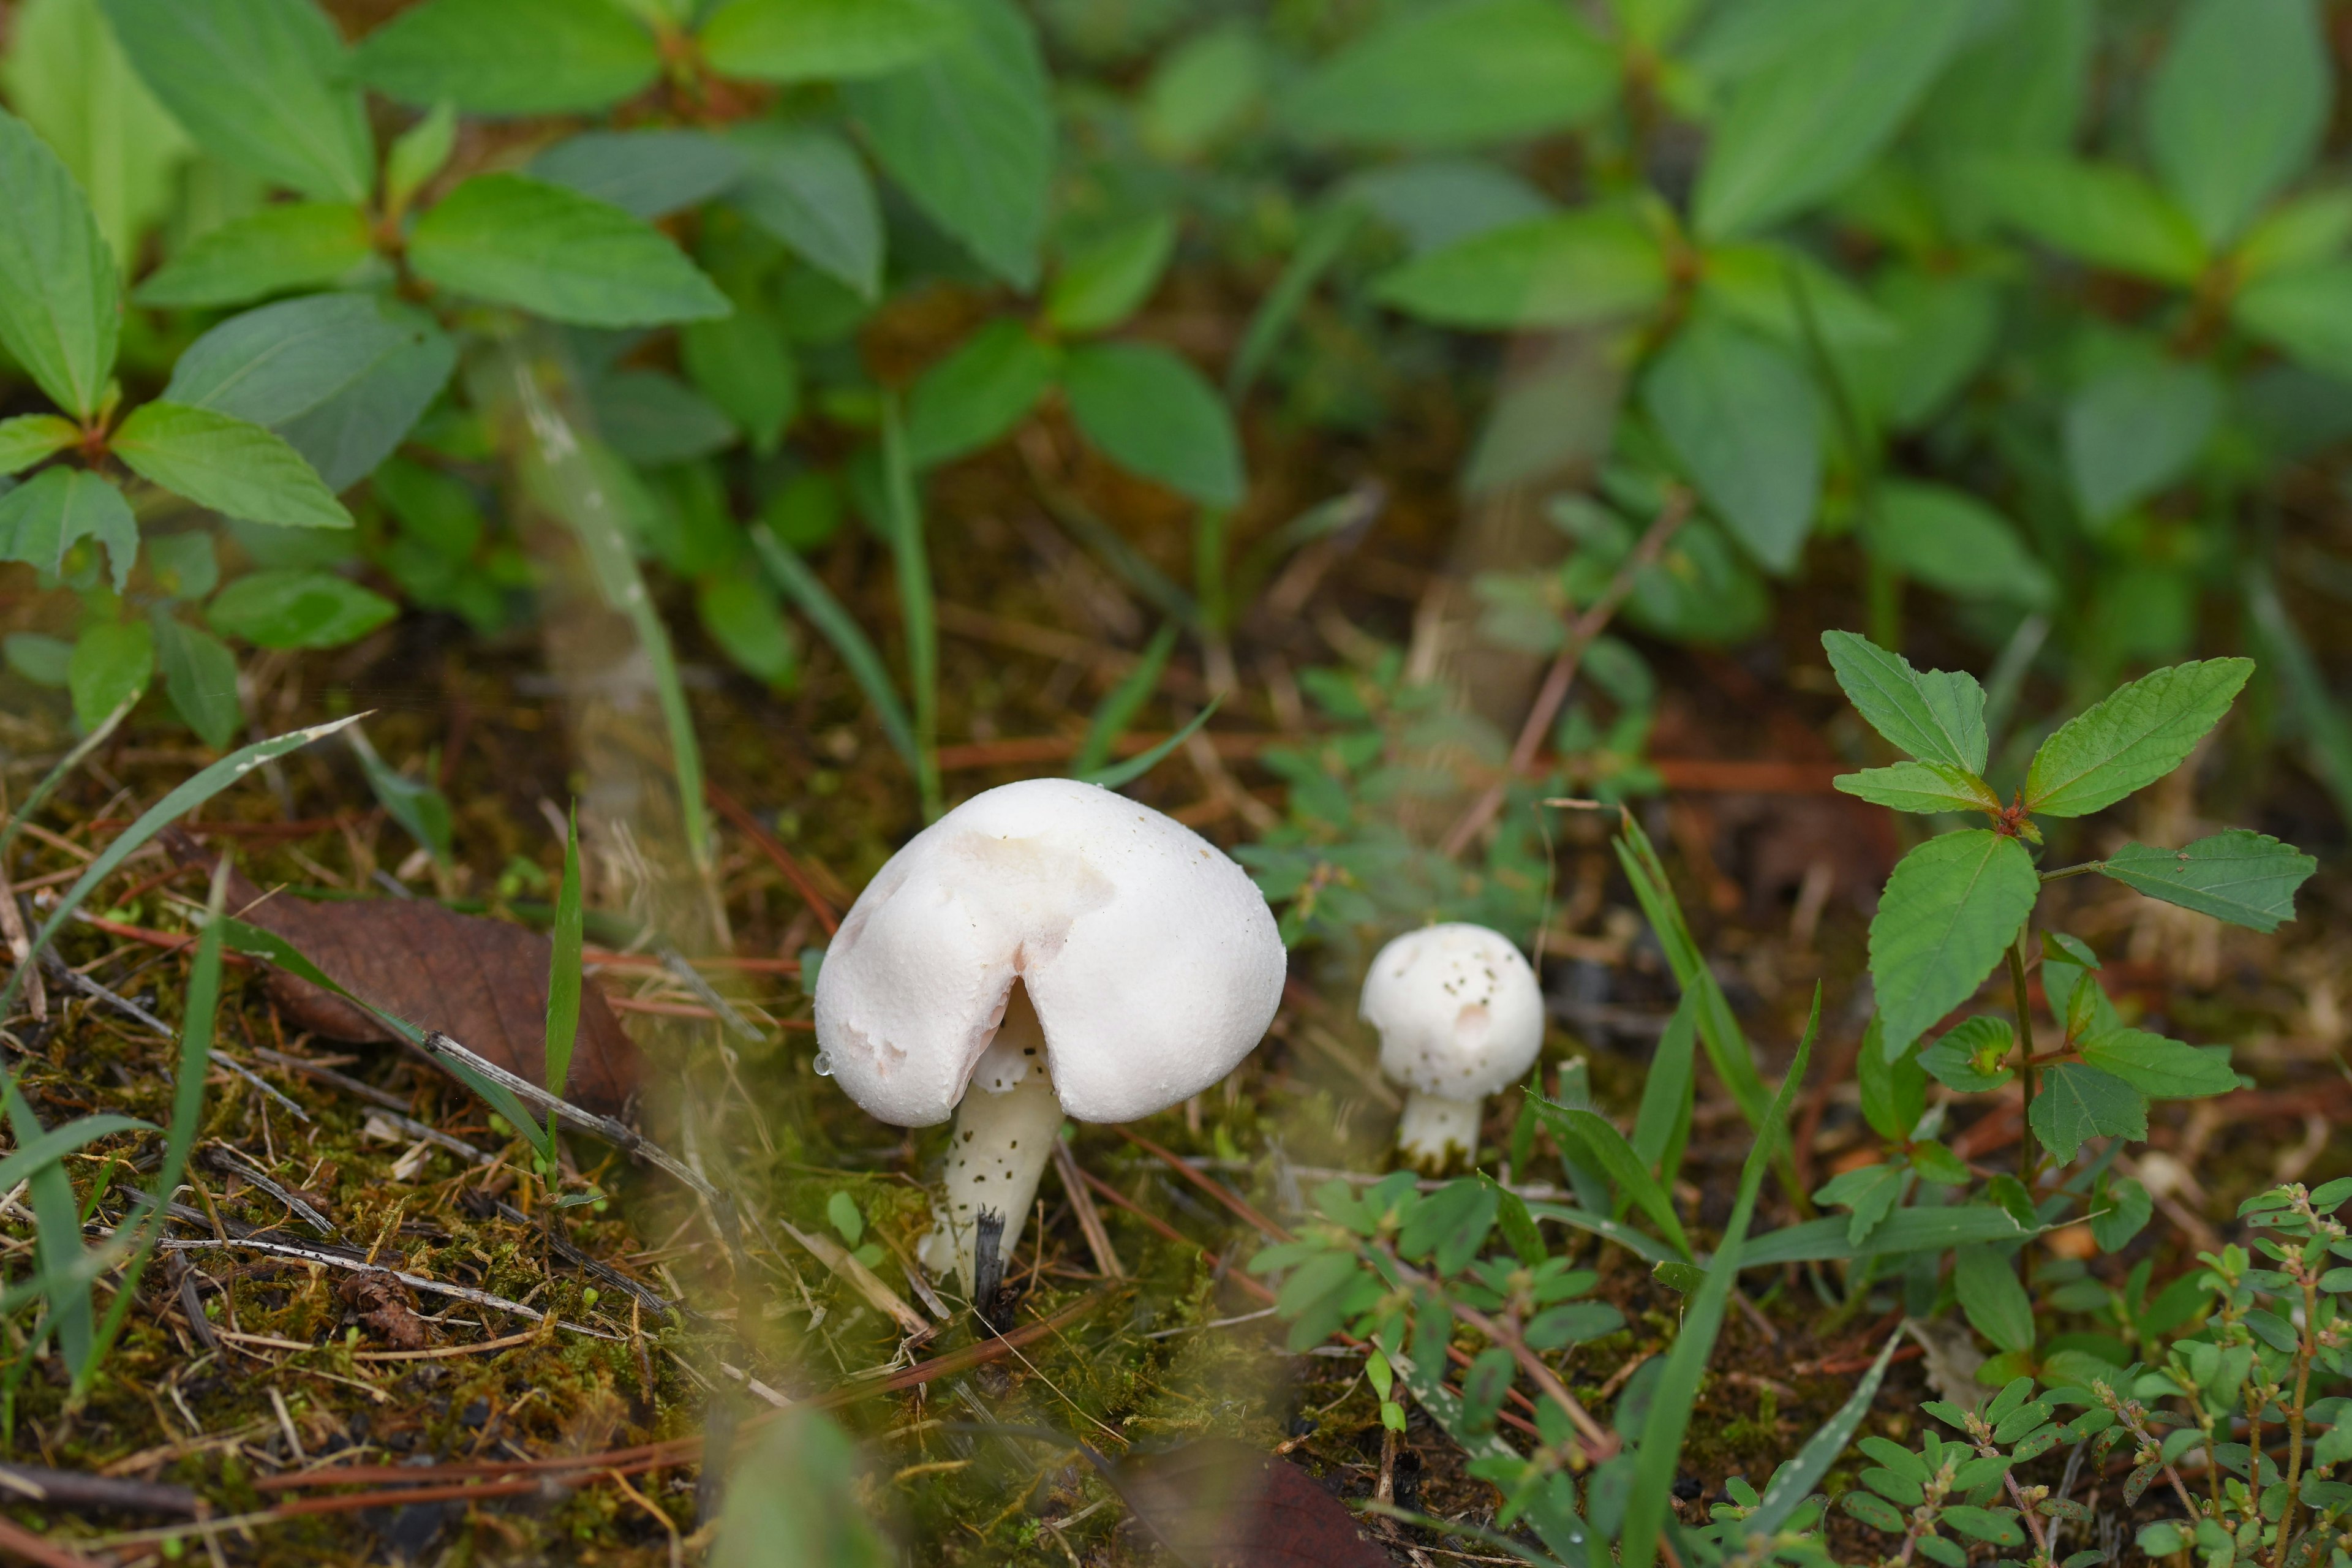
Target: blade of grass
(1661, 1126)
(56, 1239)
(2324, 728)
(1624, 1165)
(1795, 1481)
(814, 599)
(63, 770)
(1135, 767)
(1327, 233)
(1647, 1507)
(910, 553)
(58, 1142)
(1117, 710)
(422, 810)
(563, 970)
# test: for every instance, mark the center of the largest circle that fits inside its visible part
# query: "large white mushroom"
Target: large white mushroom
(1460, 1018)
(1046, 947)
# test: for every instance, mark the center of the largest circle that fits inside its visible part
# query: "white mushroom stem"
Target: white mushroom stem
(1003, 1137)
(1434, 1132)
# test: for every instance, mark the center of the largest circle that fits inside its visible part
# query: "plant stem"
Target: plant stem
(2029, 1157)
(917, 610)
(2304, 1351)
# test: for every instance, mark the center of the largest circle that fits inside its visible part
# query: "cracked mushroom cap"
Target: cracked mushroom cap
(1458, 1011)
(1152, 960)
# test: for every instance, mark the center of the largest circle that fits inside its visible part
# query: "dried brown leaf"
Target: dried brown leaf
(1217, 1503)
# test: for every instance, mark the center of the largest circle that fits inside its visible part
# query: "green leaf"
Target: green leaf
(982, 390)
(968, 132)
(1794, 1481)
(41, 659)
(183, 565)
(807, 188)
(1967, 1058)
(1102, 284)
(511, 56)
(1118, 776)
(30, 437)
(647, 174)
(296, 245)
(421, 810)
(297, 609)
(1991, 1294)
(811, 40)
(1870, 1193)
(1119, 706)
(417, 155)
(111, 664)
(46, 1150)
(1952, 541)
(69, 78)
(1904, 1231)
(1559, 272)
(199, 678)
(43, 518)
(1798, 130)
(744, 365)
(2076, 1102)
(814, 599)
(1200, 90)
(1674, 1397)
(2307, 313)
(1937, 716)
(2247, 878)
(1632, 1178)
(2161, 1068)
(2099, 213)
(1669, 1091)
(564, 939)
(264, 84)
(1950, 911)
(798, 1497)
(2237, 106)
(1456, 75)
(60, 294)
(342, 377)
(652, 419)
(513, 240)
(1894, 1088)
(2132, 737)
(740, 612)
(231, 465)
(2303, 231)
(2136, 429)
(1925, 787)
(1740, 415)
(1149, 410)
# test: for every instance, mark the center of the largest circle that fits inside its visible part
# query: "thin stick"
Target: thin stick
(360, 1266)
(20, 944)
(1562, 674)
(767, 843)
(1082, 1204)
(2028, 1158)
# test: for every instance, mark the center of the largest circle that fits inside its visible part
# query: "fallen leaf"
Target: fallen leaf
(385, 1306)
(481, 982)
(1218, 1504)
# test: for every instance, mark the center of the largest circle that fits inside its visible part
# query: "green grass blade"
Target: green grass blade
(56, 1239)
(422, 810)
(910, 552)
(63, 770)
(58, 1142)
(1663, 1124)
(814, 599)
(1647, 1507)
(1624, 1166)
(1118, 711)
(189, 795)
(1134, 768)
(1326, 236)
(1795, 1481)
(563, 970)
(1129, 565)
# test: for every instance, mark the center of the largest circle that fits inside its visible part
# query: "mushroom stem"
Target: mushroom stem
(1435, 1130)
(1003, 1137)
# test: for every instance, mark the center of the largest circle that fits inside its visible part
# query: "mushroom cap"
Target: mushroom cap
(1152, 960)
(1458, 1011)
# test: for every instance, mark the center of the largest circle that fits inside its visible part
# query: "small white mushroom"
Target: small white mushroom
(1046, 947)
(1460, 1016)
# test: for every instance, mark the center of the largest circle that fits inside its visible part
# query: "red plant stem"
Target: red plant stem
(735, 812)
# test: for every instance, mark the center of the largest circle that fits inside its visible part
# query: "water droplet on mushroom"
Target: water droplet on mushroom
(824, 1064)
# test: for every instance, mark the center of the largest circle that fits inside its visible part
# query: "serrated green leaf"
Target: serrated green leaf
(60, 293)
(1456, 75)
(511, 56)
(1950, 911)
(746, 368)
(648, 173)
(1150, 411)
(968, 133)
(1894, 1087)
(1935, 716)
(1952, 541)
(2245, 878)
(1959, 1060)
(264, 84)
(199, 678)
(297, 609)
(30, 437)
(517, 241)
(43, 518)
(2237, 106)
(2136, 430)
(1868, 1193)
(2161, 1068)
(1102, 284)
(2307, 312)
(1556, 271)
(978, 393)
(812, 40)
(2099, 213)
(1740, 415)
(231, 465)
(71, 81)
(806, 188)
(2131, 737)
(294, 244)
(1925, 787)
(2076, 1102)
